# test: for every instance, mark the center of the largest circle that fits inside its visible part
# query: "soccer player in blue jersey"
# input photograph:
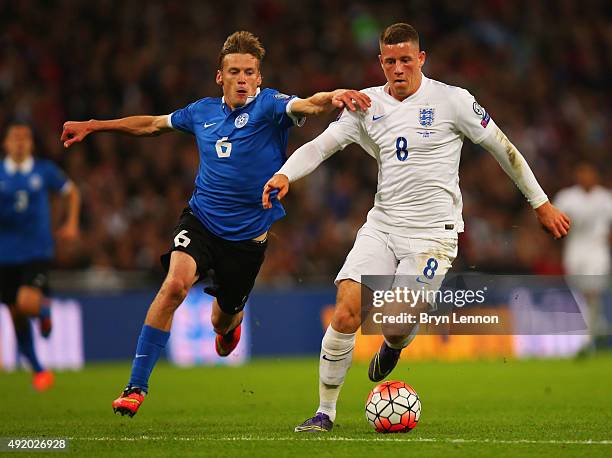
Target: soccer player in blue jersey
(26, 243)
(242, 140)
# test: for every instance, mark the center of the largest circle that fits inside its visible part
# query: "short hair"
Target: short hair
(17, 123)
(584, 164)
(242, 42)
(399, 33)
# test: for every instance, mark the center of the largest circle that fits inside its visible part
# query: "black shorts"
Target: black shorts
(13, 276)
(231, 266)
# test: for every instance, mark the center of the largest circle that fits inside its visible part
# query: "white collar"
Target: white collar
(250, 98)
(12, 167)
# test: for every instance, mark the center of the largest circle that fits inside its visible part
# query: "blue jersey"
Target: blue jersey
(25, 220)
(239, 151)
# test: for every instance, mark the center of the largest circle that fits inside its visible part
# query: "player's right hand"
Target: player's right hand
(74, 131)
(553, 220)
(278, 182)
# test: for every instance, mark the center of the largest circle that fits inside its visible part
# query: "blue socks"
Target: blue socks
(150, 345)
(25, 344)
(45, 311)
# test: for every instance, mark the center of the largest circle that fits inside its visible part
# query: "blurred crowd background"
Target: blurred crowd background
(540, 68)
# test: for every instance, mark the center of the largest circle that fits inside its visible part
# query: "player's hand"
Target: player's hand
(278, 182)
(68, 232)
(74, 132)
(553, 220)
(350, 99)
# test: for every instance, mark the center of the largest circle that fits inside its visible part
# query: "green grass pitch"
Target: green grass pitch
(501, 408)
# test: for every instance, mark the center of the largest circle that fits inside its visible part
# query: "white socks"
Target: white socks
(334, 363)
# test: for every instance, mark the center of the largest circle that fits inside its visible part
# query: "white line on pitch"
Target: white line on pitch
(343, 439)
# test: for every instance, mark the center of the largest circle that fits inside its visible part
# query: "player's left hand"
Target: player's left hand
(67, 233)
(553, 220)
(350, 99)
(74, 131)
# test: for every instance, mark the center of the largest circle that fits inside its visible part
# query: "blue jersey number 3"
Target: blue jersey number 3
(400, 148)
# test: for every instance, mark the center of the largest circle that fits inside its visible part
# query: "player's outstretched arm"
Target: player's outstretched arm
(303, 161)
(76, 131)
(514, 164)
(324, 102)
(70, 229)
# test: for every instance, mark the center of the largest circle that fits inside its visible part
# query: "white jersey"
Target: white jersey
(587, 249)
(417, 144)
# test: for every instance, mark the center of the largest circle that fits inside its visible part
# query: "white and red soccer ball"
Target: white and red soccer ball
(393, 407)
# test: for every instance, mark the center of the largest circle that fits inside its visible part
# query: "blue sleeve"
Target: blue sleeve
(55, 179)
(276, 106)
(182, 119)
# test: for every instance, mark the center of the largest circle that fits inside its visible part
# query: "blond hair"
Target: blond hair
(242, 42)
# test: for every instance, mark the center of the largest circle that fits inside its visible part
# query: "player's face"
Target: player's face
(19, 143)
(586, 176)
(401, 64)
(239, 78)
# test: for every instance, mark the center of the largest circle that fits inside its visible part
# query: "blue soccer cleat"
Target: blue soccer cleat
(383, 362)
(320, 423)
(45, 322)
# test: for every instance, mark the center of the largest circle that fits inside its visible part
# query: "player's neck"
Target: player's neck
(589, 188)
(19, 159)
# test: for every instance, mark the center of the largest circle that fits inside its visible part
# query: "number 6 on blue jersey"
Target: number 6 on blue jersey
(223, 147)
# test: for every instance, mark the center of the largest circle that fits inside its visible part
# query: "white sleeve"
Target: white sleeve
(471, 119)
(609, 206)
(67, 187)
(340, 133)
(347, 128)
(309, 156)
(514, 164)
(297, 120)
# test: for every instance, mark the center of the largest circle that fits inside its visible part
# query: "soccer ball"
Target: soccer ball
(393, 407)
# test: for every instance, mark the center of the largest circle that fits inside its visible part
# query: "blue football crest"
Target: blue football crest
(426, 116)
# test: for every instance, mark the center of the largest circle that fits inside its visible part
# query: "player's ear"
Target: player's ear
(259, 78)
(422, 58)
(219, 78)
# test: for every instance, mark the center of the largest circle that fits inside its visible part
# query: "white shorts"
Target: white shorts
(409, 261)
(585, 261)
(587, 270)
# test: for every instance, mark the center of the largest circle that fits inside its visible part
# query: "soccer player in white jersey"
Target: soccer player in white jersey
(414, 129)
(586, 252)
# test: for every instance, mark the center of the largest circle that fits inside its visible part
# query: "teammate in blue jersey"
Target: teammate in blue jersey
(241, 138)
(26, 243)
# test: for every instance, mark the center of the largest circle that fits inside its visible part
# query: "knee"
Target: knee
(346, 319)
(174, 291)
(27, 305)
(22, 308)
